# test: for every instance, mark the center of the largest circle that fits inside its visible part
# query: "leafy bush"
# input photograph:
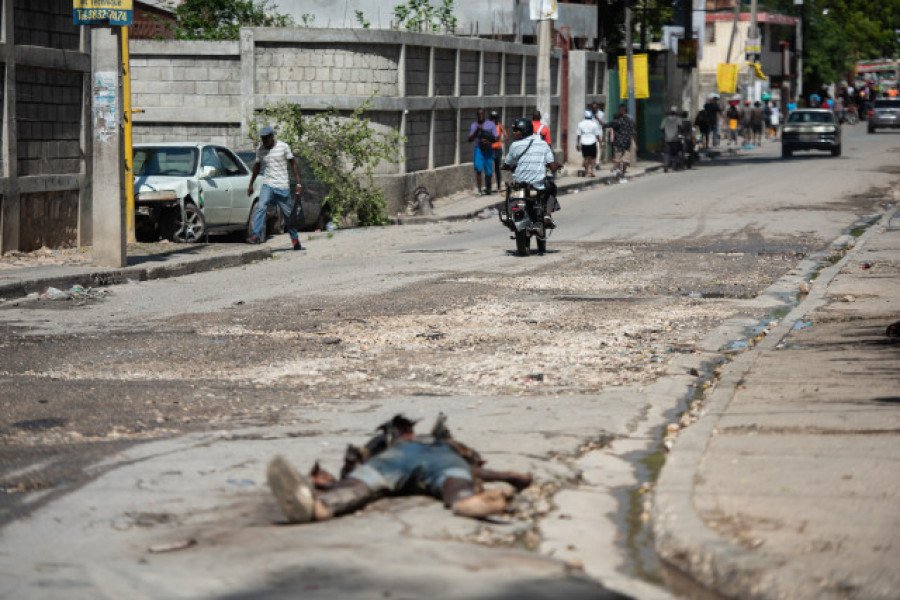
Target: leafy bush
(420, 15)
(223, 19)
(342, 150)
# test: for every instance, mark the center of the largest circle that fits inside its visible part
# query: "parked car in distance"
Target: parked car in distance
(185, 191)
(884, 112)
(811, 129)
(313, 190)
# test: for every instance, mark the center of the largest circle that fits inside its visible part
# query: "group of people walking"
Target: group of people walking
(743, 124)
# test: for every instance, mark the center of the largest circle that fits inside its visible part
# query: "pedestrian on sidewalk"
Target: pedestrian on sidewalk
(275, 155)
(713, 111)
(733, 116)
(599, 116)
(746, 127)
(589, 136)
(624, 136)
(757, 122)
(497, 146)
(393, 462)
(702, 124)
(539, 128)
(484, 134)
(671, 127)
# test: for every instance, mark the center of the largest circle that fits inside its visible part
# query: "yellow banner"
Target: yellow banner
(641, 78)
(757, 70)
(726, 78)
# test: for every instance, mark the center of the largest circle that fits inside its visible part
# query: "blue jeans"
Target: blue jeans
(412, 467)
(266, 196)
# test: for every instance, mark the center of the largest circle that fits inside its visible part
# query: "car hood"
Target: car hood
(180, 185)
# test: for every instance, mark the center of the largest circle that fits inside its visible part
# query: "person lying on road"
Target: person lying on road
(395, 461)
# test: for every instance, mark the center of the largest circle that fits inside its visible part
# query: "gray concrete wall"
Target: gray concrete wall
(44, 172)
(426, 86)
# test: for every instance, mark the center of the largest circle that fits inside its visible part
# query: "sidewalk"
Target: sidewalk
(465, 205)
(33, 273)
(788, 486)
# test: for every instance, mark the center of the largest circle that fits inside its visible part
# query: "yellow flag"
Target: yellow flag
(758, 70)
(641, 78)
(726, 78)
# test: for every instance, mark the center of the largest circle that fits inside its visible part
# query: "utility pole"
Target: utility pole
(754, 35)
(545, 34)
(544, 13)
(799, 4)
(629, 60)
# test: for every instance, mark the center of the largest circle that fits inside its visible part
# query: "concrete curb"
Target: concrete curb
(100, 276)
(682, 539)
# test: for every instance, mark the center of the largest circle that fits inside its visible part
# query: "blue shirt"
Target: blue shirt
(530, 166)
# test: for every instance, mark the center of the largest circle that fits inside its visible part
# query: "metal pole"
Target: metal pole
(129, 158)
(737, 14)
(629, 60)
(799, 4)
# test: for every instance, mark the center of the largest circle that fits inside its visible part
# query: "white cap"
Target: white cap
(588, 114)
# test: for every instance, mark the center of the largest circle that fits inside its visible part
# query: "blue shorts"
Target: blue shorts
(484, 161)
(412, 467)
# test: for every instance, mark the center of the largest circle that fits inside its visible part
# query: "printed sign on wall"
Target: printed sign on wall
(93, 12)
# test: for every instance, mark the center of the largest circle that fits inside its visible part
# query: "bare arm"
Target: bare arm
(293, 163)
(253, 178)
(520, 481)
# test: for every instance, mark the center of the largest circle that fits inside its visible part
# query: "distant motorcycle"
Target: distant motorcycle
(523, 214)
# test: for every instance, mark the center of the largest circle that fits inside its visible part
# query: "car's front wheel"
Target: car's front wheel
(871, 129)
(836, 150)
(191, 228)
(786, 152)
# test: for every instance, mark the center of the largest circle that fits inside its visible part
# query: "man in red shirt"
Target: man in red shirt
(539, 128)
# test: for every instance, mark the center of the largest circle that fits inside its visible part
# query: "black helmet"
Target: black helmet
(523, 126)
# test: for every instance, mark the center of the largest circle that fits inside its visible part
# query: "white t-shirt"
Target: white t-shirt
(275, 161)
(588, 132)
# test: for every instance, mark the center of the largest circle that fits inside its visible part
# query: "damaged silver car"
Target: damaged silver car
(186, 191)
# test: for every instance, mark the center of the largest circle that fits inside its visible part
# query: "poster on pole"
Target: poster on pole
(102, 12)
(726, 78)
(641, 79)
(541, 10)
(105, 105)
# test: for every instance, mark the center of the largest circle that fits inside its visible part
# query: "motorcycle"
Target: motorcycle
(523, 214)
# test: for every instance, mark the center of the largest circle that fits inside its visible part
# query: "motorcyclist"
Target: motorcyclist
(528, 158)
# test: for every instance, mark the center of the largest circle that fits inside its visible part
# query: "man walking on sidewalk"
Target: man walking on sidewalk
(275, 156)
(670, 127)
(484, 134)
(623, 131)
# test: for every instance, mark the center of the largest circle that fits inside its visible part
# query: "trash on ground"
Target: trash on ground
(172, 546)
(76, 292)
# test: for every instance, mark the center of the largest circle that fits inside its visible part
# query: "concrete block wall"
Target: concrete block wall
(45, 170)
(49, 219)
(468, 73)
(493, 72)
(427, 86)
(45, 23)
(48, 121)
(417, 69)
